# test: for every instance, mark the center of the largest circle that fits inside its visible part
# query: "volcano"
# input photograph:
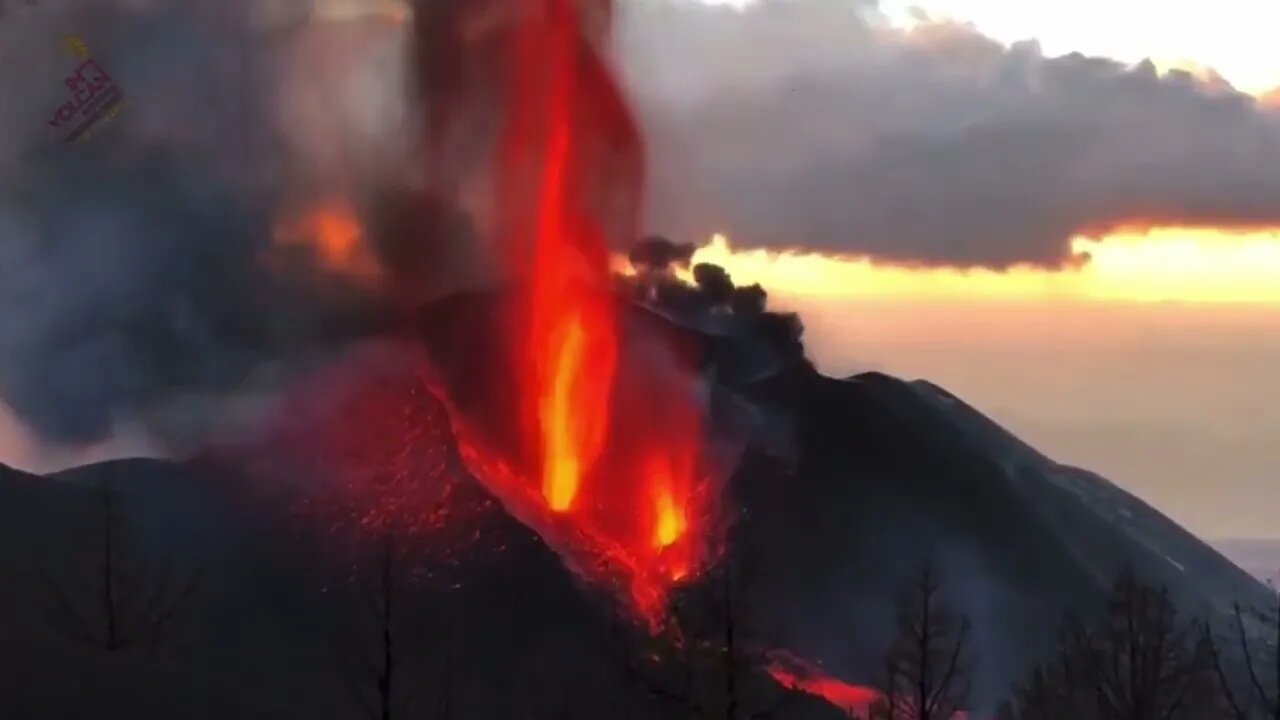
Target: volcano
(576, 495)
(299, 578)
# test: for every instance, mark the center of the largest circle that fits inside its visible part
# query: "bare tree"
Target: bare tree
(376, 652)
(134, 602)
(1259, 698)
(1061, 689)
(387, 648)
(929, 666)
(1141, 663)
(718, 675)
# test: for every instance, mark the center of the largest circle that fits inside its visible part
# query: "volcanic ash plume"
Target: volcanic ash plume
(163, 278)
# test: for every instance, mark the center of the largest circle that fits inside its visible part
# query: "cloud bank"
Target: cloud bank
(814, 124)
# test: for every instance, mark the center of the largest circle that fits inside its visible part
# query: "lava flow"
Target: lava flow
(797, 674)
(610, 432)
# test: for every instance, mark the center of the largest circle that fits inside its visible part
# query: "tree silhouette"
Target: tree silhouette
(1259, 699)
(718, 674)
(929, 666)
(133, 602)
(387, 653)
(1141, 663)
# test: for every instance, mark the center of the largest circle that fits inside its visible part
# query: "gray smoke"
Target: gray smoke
(138, 285)
(813, 124)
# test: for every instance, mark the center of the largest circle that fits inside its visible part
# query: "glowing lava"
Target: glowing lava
(608, 460)
(571, 345)
(620, 466)
(796, 674)
(669, 525)
(573, 406)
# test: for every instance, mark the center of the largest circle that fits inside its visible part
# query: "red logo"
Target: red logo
(94, 96)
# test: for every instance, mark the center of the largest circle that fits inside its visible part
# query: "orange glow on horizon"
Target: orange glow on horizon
(1194, 265)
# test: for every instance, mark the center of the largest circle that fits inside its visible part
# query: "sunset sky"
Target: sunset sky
(1166, 387)
(1147, 353)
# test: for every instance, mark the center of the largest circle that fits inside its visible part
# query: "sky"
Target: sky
(1232, 37)
(1175, 401)
(1145, 353)
(1082, 246)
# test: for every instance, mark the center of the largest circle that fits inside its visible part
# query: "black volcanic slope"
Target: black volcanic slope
(240, 589)
(255, 586)
(887, 474)
(281, 620)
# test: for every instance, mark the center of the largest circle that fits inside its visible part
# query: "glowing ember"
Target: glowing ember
(375, 443)
(334, 238)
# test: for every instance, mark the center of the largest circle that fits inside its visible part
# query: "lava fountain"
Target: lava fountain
(610, 433)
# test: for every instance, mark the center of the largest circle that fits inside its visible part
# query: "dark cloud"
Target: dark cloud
(133, 281)
(764, 339)
(813, 124)
(714, 281)
(659, 253)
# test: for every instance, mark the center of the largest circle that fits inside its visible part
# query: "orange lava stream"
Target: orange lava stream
(795, 674)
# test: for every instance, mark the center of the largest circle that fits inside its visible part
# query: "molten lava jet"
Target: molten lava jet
(610, 430)
(605, 454)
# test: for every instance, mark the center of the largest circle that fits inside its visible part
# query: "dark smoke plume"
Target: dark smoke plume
(658, 253)
(712, 302)
(134, 284)
(814, 124)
